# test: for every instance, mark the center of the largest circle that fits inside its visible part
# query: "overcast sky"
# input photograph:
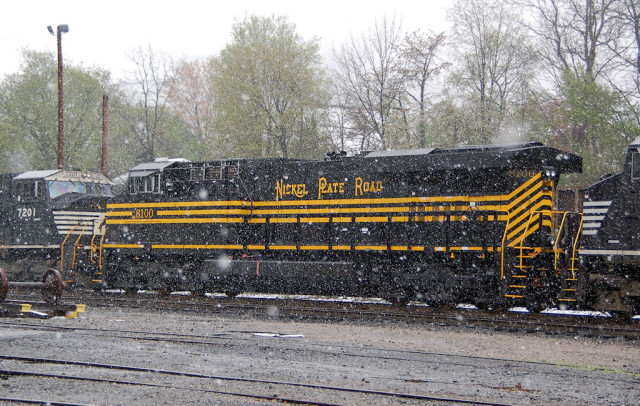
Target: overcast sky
(102, 33)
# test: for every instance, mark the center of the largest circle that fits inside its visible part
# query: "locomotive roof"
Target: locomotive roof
(59, 174)
(149, 167)
(41, 174)
(532, 155)
(463, 148)
(525, 155)
(400, 152)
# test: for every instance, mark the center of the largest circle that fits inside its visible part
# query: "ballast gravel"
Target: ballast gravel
(232, 353)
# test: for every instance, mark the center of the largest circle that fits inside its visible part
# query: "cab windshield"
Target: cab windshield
(61, 187)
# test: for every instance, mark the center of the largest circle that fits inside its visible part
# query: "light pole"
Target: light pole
(59, 30)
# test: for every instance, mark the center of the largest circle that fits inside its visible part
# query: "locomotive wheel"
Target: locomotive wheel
(53, 286)
(4, 284)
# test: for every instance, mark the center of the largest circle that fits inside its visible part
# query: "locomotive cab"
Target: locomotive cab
(43, 210)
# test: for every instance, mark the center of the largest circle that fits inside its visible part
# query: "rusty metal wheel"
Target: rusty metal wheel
(53, 286)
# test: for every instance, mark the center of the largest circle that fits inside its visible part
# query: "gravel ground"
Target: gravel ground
(449, 363)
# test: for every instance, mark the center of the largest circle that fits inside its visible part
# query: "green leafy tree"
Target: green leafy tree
(269, 91)
(28, 114)
(590, 120)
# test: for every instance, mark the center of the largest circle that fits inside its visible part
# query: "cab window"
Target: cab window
(28, 191)
(145, 184)
(62, 187)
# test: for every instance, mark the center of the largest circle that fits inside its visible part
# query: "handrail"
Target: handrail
(75, 246)
(504, 238)
(556, 241)
(557, 238)
(575, 244)
(100, 252)
(556, 253)
(62, 247)
(95, 233)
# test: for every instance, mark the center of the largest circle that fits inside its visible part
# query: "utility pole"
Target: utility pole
(59, 30)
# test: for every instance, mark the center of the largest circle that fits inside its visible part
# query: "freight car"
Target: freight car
(51, 219)
(472, 224)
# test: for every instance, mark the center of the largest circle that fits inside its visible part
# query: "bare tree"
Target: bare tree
(626, 48)
(368, 71)
(494, 60)
(150, 89)
(576, 35)
(192, 97)
(420, 65)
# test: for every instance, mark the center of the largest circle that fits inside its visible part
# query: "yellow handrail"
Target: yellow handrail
(575, 244)
(95, 233)
(75, 246)
(62, 247)
(504, 238)
(556, 252)
(557, 239)
(100, 252)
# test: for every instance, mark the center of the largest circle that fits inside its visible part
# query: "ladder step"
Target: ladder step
(514, 296)
(568, 300)
(570, 290)
(518, 276)
(571, 279)
(517, 286)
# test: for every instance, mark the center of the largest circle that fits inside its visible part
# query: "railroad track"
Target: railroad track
(372, 311)
(258, 389)
(148, 377)
(80, 371)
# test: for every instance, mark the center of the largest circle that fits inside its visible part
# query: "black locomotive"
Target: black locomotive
(472, 224)
(610, 243)
(51, 219)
